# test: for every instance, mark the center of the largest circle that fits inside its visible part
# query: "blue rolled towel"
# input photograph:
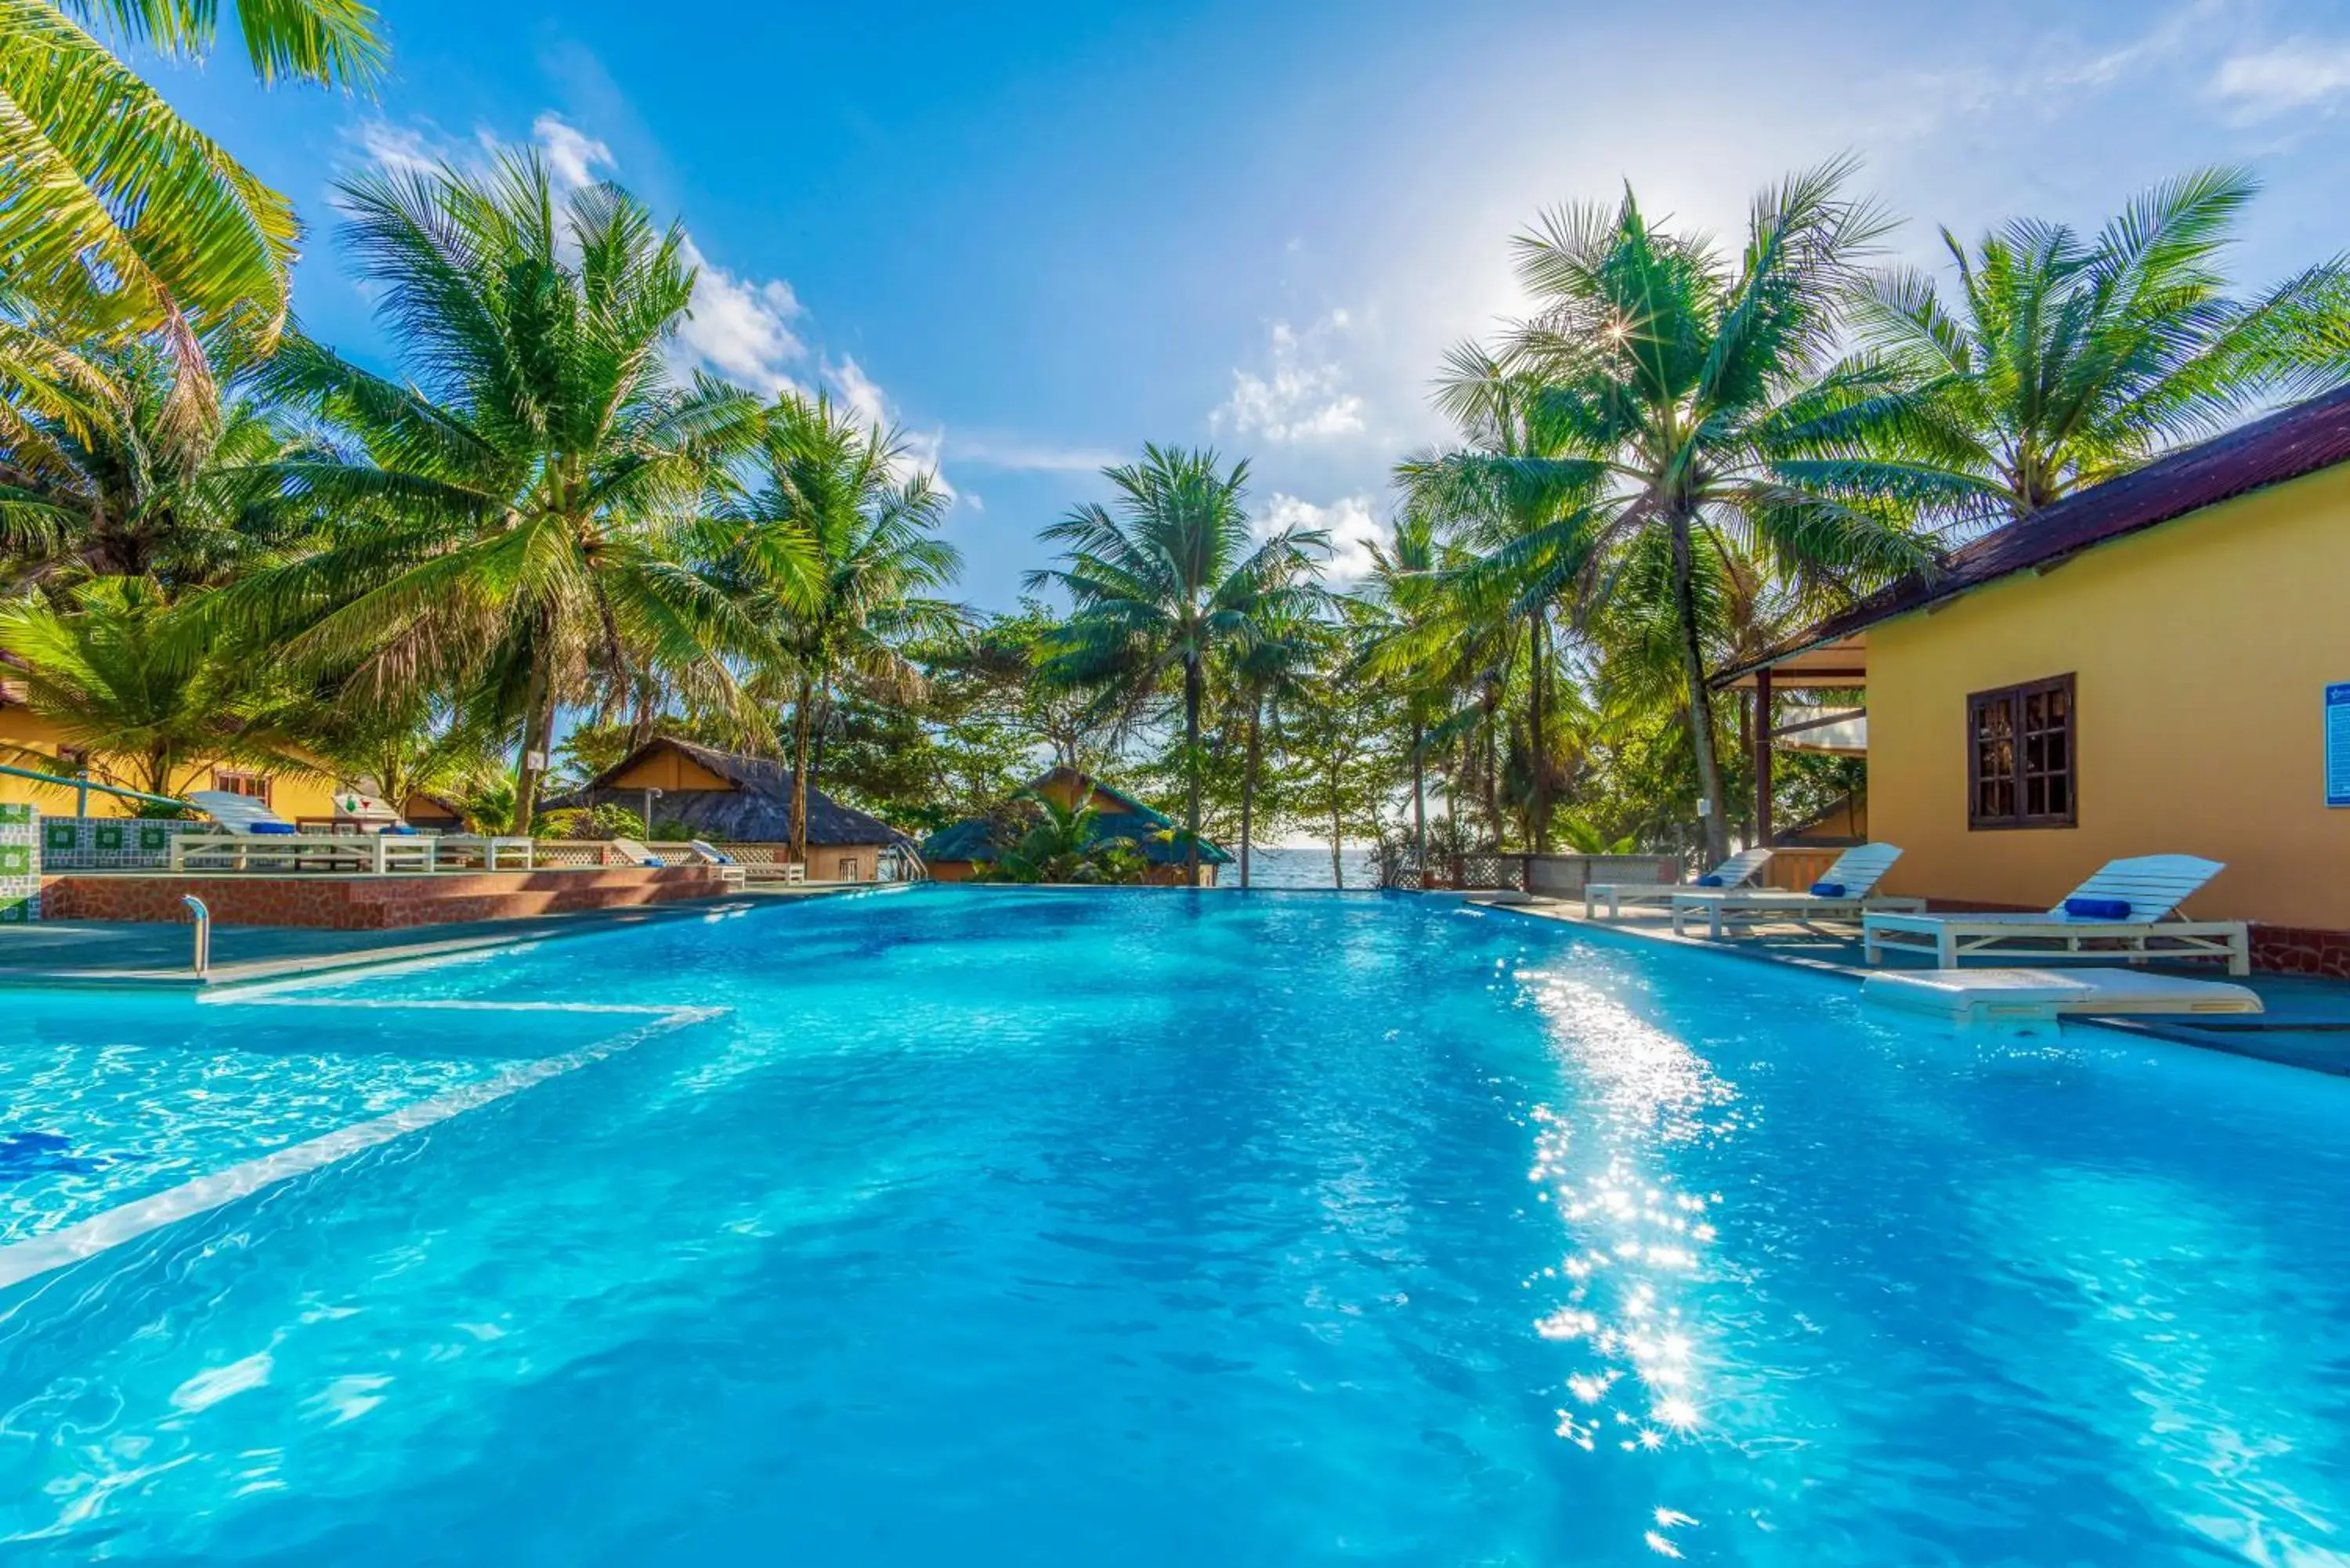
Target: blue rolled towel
(2097, 909)
(401, 830)
(1827, 890)
(272, 829)
(1711, 880)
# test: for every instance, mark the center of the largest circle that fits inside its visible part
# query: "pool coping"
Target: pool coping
(303, 966)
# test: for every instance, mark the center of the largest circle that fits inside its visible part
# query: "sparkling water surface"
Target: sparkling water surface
(1021, 1227)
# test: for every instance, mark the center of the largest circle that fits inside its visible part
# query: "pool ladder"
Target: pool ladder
(203, 918)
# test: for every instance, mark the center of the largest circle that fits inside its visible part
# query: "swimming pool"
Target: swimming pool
(1007, 1226)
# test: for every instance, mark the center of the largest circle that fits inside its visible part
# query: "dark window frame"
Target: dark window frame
(2021, 774)
(233, 780)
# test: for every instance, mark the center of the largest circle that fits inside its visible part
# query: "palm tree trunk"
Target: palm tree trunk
(1248, 784)
(1192, 697)
(1537, 655)
(1338, 832)
(1701, 700)
(534, 710)
(1493, 763)
(1419, 798)
(801, 722)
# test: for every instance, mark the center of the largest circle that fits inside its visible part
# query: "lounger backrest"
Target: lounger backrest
(709, 852)
(2154, 885)
(635, 853)
(232, 811)
(1742, 868)
(1862, 868)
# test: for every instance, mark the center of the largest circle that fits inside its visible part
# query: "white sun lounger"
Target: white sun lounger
(2153, 886)
(259, 839)
(1858, 870)
(1735, 872)
(730, 870)
(1964, 997)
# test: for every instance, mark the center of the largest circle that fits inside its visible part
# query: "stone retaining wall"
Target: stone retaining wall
(322, 902)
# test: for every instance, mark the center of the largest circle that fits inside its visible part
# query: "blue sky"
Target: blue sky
(1037, 236)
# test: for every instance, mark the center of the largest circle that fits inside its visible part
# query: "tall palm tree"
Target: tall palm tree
(509, 524)
(1684, 407)
(1505, 497)
(2064, 360)
(837, 552)
(118, 211)
(1164, 579)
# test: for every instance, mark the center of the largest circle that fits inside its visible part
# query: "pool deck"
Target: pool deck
(2306, 1024)
(123, 955)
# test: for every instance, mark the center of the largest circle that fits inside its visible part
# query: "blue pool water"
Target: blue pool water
(1015, 1227)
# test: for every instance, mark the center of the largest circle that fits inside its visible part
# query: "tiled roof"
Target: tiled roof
(2286, 445)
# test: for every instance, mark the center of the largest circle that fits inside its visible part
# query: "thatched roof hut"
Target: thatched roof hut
(725, 796)
(952, 851)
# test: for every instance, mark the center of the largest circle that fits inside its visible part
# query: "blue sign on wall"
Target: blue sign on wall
(2337, 744)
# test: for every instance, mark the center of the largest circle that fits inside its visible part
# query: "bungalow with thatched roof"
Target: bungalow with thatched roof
(728, 798)
(953, 853)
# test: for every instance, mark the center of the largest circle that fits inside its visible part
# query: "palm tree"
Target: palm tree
(1168, 580)
(107, 490)
(117, 211)
(838, 553)
(1686, 406)
(1413, 638)
(1065, 844)
(1504, 494)
(116, 678)
(2065, 361)
(510, 524)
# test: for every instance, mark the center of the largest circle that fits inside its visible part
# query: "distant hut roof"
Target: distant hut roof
(757, 809)
(1151, 832)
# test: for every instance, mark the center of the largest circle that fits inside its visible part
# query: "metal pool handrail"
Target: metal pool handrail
(204, 919)
(82, 784)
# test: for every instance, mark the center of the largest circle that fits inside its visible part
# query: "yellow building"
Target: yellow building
(2150, 666)
(29, 740)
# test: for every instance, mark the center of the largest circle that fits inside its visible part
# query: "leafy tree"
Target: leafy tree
(1339, 750)
(1065, 844)
(104, 489)
(116, 213)
(836, 553)
(2064, 361)
(120, 679)
(1267, 675)
(510, 523)
(1165, 579)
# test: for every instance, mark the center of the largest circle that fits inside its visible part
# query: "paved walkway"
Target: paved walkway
(126, 955)
(2306, 1024)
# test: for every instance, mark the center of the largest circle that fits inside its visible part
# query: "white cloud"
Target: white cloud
(920, 450)
(1300, 396)
(2293, 74)
(739, 329)
(399, 148)
(572, 156)
(856, 389)
(1348, 520)
(743, 328)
